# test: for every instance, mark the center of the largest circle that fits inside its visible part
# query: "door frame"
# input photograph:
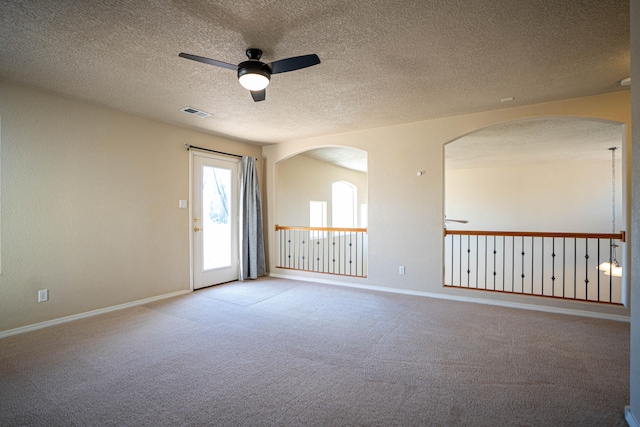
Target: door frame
(204, 153)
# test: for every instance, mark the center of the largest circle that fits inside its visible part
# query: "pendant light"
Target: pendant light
(254, 75)
(612, 267)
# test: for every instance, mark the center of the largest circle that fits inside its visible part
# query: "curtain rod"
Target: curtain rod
(189, 147)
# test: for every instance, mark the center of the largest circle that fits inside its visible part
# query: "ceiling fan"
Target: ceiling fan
(254, 74)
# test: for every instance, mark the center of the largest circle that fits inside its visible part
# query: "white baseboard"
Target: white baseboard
(631, 420)
(35, 326)
(523, 306)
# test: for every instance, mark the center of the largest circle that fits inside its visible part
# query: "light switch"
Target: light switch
(182, 204)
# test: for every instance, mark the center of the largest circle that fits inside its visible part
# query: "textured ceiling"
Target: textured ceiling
(383, 62)
(535, 142)
(539, 141)
(345, 157)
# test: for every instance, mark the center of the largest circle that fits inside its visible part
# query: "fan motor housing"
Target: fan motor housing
(254, 67)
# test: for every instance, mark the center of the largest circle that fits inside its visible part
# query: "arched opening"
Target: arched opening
(550, 175)
(321, 209)
(344, 204)
(309, 176)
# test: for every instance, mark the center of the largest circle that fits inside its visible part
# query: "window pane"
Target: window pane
(364, 215)
(216, 224)
(317, 214)
(317, 217)
(343, 199)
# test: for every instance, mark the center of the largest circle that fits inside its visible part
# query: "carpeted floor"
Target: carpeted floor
(285, 353)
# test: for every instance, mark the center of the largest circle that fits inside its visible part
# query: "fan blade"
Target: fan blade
(208, 61)
(292, 64)
(259, 95)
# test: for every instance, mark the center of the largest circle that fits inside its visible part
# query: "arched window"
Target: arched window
(317, 217)
(344, 198)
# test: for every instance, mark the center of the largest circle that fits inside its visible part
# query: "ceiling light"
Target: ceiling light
(507, 99)
(254, 75)
(625, 82)
(254, 81)
(615, 272)
(612, 267)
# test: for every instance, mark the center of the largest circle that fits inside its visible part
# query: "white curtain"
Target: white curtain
(252, 264)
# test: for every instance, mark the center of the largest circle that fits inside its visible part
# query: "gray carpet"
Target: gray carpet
(283, 353)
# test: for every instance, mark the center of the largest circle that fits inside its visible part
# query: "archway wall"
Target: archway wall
(300, 179)
(545, 174)
(406, 210)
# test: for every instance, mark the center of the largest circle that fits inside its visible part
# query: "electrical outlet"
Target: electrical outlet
(401, 269)
(43, 295)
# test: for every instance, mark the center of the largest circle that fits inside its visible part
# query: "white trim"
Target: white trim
(91, 313)
(508, 304)
(230, 158)
(0, 196)
(628, 416)
(190, 219)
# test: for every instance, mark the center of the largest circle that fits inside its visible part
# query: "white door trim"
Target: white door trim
(192, 154)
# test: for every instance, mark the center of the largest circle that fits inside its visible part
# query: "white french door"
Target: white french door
(214, 219)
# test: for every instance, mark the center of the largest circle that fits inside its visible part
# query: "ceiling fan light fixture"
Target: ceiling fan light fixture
(612, 267)
(253, 75)
(254, 81)
(609, 266)
(614, 271)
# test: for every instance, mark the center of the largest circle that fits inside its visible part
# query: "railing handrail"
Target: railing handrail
(616, 236)
(338, 229)
(331, 250)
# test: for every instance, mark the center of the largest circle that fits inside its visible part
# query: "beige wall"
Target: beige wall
(90, 205)
(301, 179)
(89, 200)
(565, 196)
(406, 210)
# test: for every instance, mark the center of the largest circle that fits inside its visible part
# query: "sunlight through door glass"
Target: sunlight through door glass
(216, 230)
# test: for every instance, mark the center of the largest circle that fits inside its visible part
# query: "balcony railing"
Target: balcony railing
(557, 265)
(341, 251)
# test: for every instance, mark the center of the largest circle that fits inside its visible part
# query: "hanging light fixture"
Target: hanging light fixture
(616, 271)
(253, 74)
(612, 267)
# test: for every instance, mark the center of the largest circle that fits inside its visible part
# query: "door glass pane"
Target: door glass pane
(216, 217)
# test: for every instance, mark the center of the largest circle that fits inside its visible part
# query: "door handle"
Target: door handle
(196, 229)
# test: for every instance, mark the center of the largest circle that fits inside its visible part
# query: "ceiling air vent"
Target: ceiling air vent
(196, 112)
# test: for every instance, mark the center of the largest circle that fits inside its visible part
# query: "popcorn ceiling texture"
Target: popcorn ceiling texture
(383, 63)
(539, 141)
